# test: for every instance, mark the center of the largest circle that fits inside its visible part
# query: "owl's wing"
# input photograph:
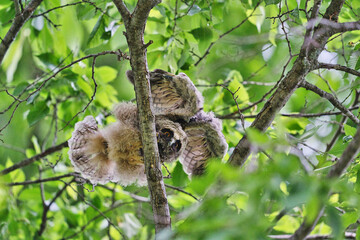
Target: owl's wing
(205, 141)
(110, 154)
(87, 152)
(173, 95)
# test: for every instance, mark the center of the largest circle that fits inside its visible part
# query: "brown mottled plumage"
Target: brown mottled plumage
(173, 95)
(115, 152)
(184, 131)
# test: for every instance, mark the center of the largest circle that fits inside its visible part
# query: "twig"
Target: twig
(34, 158)
(42, 180)
(226, 33)
(100, 212)
(333, 100)
(82, 229)
(46, 209)
(181, 190)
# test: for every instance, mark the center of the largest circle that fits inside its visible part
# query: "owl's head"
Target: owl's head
(171, 139)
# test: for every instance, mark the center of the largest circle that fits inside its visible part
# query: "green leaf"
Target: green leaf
(287, 224)
(334, 221)
(32, 98)
(96, 28)
(257, 17)
(270, 2)
(85, 87)
(256, 136)
(38, 112)
(106, 73)
(19, 88)
(70, 218)
(179, 177)
(357, 66)
(349, 131)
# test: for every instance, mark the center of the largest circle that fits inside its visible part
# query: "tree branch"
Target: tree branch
(333, 100)
(43, 180)
(135, 26)
(226, 33)
(17, 24)
(338, 67)
(47, 208)
(34, 158)
(308, 56)
(124, 12)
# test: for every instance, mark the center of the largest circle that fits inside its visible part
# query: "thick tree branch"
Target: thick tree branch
(124, 12)
(17, 24)
(338, 67)
(135, 26)
(308, 56)
(347, 157)
(333, 100)
(34, 158)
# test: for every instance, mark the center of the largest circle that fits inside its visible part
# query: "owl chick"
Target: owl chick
(115, 152)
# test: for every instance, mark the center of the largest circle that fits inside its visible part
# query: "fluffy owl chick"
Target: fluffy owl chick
(115, 152)
(173, 95)
(205, 141)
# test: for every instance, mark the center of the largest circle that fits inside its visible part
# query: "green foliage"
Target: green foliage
(240, 68)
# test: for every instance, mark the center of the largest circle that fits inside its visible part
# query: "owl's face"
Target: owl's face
(171, 140)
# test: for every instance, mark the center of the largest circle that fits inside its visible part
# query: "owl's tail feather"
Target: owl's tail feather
(88, 152)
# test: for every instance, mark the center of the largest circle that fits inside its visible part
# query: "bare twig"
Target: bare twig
(34, 158)
(332, 99)
(226, 33)
(42, 180)
(46, 209)
(181, 190)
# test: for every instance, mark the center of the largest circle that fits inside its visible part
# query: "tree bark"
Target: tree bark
(135, 26)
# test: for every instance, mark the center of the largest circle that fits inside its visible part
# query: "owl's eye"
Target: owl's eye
(141, 152)
(166, 133)
(176, 146)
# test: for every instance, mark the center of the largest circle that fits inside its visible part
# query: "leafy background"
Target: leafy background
(269, 196)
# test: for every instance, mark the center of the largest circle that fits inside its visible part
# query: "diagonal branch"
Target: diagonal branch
(226, 33)
(333, 100)
(17, 24)
(308, 56)
(34, 158)
(124, 12)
